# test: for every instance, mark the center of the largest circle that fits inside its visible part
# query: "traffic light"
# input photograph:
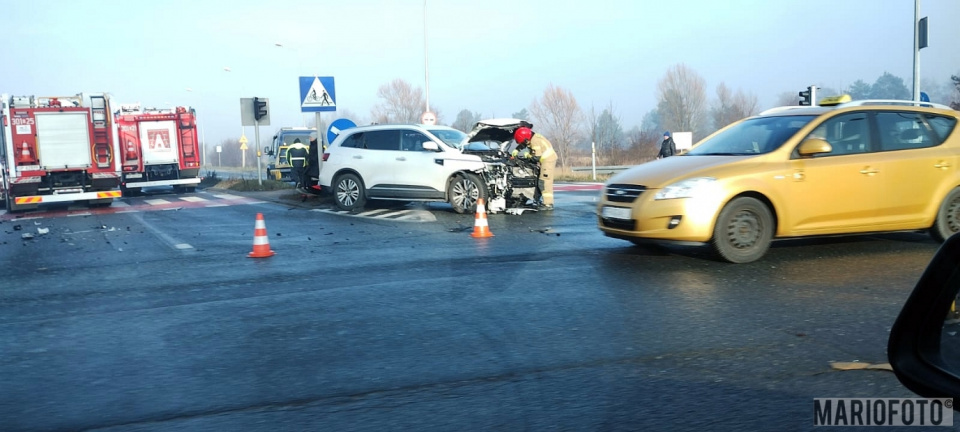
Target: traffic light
(259, 108)
(809, 96)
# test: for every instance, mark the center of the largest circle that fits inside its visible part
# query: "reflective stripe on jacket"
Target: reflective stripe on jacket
(542, 148)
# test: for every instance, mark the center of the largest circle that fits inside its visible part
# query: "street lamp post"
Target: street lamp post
(426, 63)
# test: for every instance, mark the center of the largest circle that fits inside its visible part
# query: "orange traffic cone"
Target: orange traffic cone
(480, 227)
(261, 244)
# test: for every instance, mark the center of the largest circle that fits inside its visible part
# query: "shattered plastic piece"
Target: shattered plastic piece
(43, 231)
(26, 236)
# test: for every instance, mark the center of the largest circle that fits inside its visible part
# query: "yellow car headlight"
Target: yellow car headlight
(689, 188)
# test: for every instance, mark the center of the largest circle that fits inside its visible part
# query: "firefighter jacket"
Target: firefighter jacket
(542, 149)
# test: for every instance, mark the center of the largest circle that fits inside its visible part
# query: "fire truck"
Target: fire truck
(158, 147)
(58, 149)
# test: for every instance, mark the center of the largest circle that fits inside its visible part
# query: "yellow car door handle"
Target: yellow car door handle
(868, 171)
(942, 165)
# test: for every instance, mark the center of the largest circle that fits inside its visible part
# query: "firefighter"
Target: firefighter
(297, 154)
(542, 152)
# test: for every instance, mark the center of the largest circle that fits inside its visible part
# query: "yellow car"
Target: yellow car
(845, 167)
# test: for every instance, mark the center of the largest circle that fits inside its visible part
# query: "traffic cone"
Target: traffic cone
(261, 244)
(480, 227)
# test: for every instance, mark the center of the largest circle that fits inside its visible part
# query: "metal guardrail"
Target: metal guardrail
(610, 169)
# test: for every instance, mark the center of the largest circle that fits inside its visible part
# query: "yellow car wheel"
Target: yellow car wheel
(948, 217)
(743, 231)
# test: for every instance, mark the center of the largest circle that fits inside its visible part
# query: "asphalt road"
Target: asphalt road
(149, 316)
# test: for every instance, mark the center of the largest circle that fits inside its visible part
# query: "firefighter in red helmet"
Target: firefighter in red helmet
(542, 151)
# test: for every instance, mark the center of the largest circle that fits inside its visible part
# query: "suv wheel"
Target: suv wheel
(465, 190)
(348, 192)
(948, 217)
(743, 231)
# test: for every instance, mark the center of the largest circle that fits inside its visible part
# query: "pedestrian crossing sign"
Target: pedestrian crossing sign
(317, 94)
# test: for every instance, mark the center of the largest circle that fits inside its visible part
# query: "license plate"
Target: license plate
(615, 212)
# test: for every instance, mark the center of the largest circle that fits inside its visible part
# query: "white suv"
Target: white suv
(402, 162)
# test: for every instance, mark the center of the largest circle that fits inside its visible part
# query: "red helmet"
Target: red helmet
(522, 135)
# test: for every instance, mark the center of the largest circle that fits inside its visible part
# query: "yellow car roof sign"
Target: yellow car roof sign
(835, 100)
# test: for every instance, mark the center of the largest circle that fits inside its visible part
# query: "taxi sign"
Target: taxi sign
(835, 100)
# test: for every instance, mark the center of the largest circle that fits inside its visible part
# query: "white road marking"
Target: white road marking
(156, 201)
(193, 199)
(227, 196)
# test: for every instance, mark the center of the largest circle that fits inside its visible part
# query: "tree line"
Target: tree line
(682, 105)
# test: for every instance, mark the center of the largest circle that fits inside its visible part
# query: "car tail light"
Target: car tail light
(326, 156)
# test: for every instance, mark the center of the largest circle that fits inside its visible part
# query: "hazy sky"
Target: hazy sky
(493, 57)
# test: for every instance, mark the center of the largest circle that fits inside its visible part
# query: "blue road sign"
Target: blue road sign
(337, 126)
(924, 97)
(317, 94)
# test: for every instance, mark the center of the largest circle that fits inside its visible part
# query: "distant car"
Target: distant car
(845, 167)
(402, 162)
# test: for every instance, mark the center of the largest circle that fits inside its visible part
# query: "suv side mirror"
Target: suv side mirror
(430, 145)
(814, 146)
(924, 346)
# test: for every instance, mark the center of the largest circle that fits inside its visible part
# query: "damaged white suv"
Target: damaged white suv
(402, 162)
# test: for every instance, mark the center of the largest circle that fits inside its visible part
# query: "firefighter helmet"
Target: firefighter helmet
(522, 135)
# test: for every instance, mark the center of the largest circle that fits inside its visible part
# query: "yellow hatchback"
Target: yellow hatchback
(847, 168)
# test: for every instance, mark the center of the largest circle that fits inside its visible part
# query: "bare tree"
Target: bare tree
(560, 118)
(789, 98)
(682, 99)
(605, 132)
(730, 107)
(465, 120)
(402, 103)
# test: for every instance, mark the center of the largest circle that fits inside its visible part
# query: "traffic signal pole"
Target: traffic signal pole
(256, 136)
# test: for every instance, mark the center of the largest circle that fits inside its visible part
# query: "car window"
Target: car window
(752, 136)
(450, 137)
(412, 140)
(382, 140)
(353, 141)
(846, 133)
(903, 130)
(943, 126)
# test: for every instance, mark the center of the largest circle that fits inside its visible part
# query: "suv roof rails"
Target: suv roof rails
(892, 102)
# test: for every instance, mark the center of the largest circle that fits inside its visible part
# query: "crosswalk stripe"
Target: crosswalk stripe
(193, 199)
(156, 201)
(227, 196)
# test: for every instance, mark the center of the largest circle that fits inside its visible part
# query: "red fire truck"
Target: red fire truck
(158, 148)
(57, 149)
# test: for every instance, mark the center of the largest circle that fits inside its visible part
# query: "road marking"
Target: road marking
(156, 201)
(183, 246)
(118, 203)
(77, 214)
(397, 215)
(227, 196)
(193, 199)
(574, 187)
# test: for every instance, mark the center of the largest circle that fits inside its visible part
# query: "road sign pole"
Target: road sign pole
(256, 136)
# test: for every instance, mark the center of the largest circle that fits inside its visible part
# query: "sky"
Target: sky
(493, 57)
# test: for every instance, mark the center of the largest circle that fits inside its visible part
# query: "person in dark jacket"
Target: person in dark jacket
(667, 147)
